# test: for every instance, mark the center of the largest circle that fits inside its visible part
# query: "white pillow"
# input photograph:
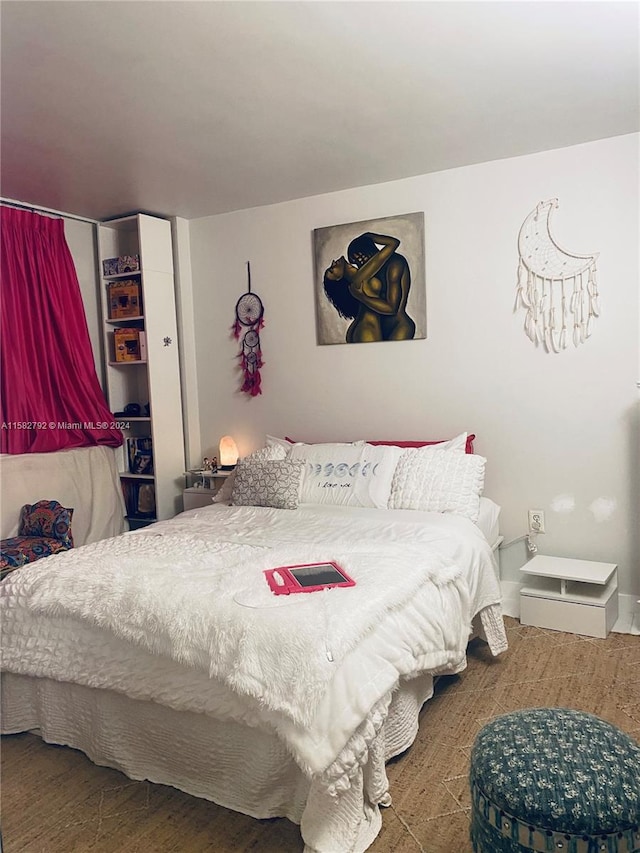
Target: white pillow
(459, 443)
(489, 520)
(355, 474)
(438, 481)
(275, 484)
(272, 441)
(265, 454)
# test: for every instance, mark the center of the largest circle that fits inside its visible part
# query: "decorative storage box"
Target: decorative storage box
(128, 263)
(127, 345)
(110, 266)
(124, 299)
(122, 264)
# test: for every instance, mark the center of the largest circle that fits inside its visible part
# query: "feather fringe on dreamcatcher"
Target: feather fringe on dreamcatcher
(248, 323)
(558, 289)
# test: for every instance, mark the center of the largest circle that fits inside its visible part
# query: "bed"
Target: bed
(163, 653)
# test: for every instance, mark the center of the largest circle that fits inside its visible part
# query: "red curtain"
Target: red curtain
(50, 396)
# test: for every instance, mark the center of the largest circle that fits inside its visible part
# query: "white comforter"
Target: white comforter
(180, 613)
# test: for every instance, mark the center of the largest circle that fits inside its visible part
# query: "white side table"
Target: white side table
(578, 596)
(206, 484)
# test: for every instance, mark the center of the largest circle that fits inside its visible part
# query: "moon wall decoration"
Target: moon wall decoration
(557, 288)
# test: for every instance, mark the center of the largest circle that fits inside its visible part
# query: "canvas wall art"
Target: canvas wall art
(370, 281)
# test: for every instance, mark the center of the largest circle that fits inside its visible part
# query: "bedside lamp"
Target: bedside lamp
(228, 453)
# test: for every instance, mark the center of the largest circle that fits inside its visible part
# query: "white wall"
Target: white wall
(550, 425)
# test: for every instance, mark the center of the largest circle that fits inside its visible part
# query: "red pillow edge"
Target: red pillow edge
(468, 446)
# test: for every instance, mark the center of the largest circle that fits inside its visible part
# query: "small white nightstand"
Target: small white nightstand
(578, 596)
(207, 485)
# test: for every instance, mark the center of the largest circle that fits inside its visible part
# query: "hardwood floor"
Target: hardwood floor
(55, 801)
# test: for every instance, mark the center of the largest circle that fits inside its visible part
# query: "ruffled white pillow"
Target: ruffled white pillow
(438, 481)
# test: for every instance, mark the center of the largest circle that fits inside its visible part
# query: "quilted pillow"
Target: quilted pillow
(275, 484)
(346, 474)
(438, 481)
(265, 454)
(49, 519)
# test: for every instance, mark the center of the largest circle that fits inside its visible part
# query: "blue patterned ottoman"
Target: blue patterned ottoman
(551, 779)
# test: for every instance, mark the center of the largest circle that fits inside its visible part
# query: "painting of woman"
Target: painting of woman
(371, 288)
(372, 291)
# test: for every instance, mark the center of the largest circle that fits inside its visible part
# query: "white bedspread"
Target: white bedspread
(180, 613)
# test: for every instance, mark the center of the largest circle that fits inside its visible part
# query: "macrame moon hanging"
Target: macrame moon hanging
(249, 320)
(558, 289)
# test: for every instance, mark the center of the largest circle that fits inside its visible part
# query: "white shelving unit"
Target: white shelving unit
(578, 596)
(154, 380)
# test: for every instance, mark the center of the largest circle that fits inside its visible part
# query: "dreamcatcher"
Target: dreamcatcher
(557, 288)
(249, 321)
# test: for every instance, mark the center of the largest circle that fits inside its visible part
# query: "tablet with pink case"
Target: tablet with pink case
(307, 577)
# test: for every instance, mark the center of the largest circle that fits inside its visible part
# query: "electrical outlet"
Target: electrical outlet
(536, 521)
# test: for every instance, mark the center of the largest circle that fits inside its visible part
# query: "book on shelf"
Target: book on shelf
(140, 455)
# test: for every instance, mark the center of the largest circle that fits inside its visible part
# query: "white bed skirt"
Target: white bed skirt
(244, 769)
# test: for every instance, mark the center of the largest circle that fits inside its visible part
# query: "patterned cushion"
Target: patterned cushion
(275, 484)
(554, 779)
(47, 518)
(438, 481)
(265, 454)
(20, 550)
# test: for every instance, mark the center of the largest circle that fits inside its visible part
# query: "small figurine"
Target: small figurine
(210, 465)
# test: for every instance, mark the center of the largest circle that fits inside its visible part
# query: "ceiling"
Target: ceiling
(197, 108)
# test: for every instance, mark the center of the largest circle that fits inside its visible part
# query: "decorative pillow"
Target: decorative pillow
(284, 443)
(438, 481)
(265, 454)
(49, 519)
(275, 484)
(346, 474)
(464, 441)
(20, 550)
(223, 495)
